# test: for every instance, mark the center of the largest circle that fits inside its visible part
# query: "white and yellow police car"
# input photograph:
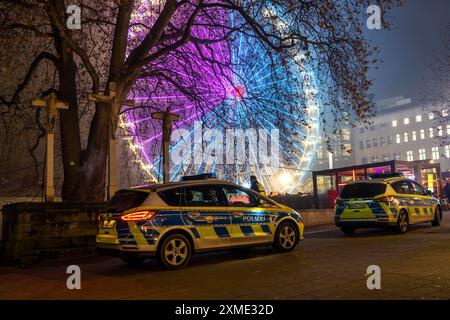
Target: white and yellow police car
(385, 200)
(174, 220)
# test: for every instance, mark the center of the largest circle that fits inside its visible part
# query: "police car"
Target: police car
(174, 220)
(385, 200)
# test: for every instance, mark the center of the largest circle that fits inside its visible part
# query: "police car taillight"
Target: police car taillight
(385, 199)
(138, 215)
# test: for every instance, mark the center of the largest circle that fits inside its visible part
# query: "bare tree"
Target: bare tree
(143, 56)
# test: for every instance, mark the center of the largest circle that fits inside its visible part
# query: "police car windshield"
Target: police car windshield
(362, 190)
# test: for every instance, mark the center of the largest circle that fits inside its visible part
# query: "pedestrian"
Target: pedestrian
(447, 189)
(256, 186)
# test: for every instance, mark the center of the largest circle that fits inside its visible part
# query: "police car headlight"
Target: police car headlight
(138, 215)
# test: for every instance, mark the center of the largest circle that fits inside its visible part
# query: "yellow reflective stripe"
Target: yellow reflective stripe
(206, 232)
(258, 231)
(235, 231)
(137, 234)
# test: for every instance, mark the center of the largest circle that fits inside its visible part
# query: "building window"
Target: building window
(361, 130)
(375, 143)
(409, 155)
(406, 121)
(419, 118)
(372, 128)
(368, 144)
(361, 145)
(435, 153)
(405, 137)
(422, 154)
(397, 138)
(448, 129)
(422, 134)
(319, 154)
(440, 131)
(374, 159)
(447, 151)
(431, 116)
(397, 156)
(390, 139)
(394, 123)
(414, 136)
(363, 160)
(385, 157)
(382, 141)
(431, 132)
(445, 113)
(383, 126)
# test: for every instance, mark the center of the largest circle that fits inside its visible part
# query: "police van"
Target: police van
(172, 221)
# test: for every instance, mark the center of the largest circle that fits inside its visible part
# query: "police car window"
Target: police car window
(404, 187)
(419, 189)
(239, 198)
(172, 197)
(126, 199)
(203, 196)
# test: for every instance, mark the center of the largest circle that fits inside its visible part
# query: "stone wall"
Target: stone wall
(39, 231)
(34, 232)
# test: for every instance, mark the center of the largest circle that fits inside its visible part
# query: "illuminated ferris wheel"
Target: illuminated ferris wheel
(260, 99)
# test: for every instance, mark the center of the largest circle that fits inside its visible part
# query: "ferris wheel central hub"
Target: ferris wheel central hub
(238, 92)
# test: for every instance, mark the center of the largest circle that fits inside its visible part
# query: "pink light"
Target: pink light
(238, 91)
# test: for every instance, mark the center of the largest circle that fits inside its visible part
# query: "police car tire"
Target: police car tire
(402, 229)
(437, 218)
(161, 257)
(277, 239)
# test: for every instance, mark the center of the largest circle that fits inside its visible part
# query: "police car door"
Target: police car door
(205, 212)
(249, 220)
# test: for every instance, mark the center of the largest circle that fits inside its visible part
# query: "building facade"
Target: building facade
(401, 131)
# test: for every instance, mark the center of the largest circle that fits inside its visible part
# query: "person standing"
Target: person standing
(256, 186)
(447, 189)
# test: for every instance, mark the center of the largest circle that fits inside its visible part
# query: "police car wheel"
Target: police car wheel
(402, 222)
(286, 237)
(437, 218)
(175, 252)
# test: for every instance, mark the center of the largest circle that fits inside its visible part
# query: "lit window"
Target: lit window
(431, 132)
(422, 134)
(385, 157)
(422, 154)
(447, 151)
(397, 138)
(431, 116)
(448, 129)
(445, 113)
(394, 123)
(409, 155)
(405, 137)
(406, 121)
(440, 131)
(419, 118)
(414, 136)
(435, 153)
(397, 156)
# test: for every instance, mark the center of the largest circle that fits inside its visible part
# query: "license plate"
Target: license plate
(356, 206)
(108, 224)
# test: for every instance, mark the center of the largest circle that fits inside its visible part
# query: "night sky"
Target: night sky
(408, 49)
